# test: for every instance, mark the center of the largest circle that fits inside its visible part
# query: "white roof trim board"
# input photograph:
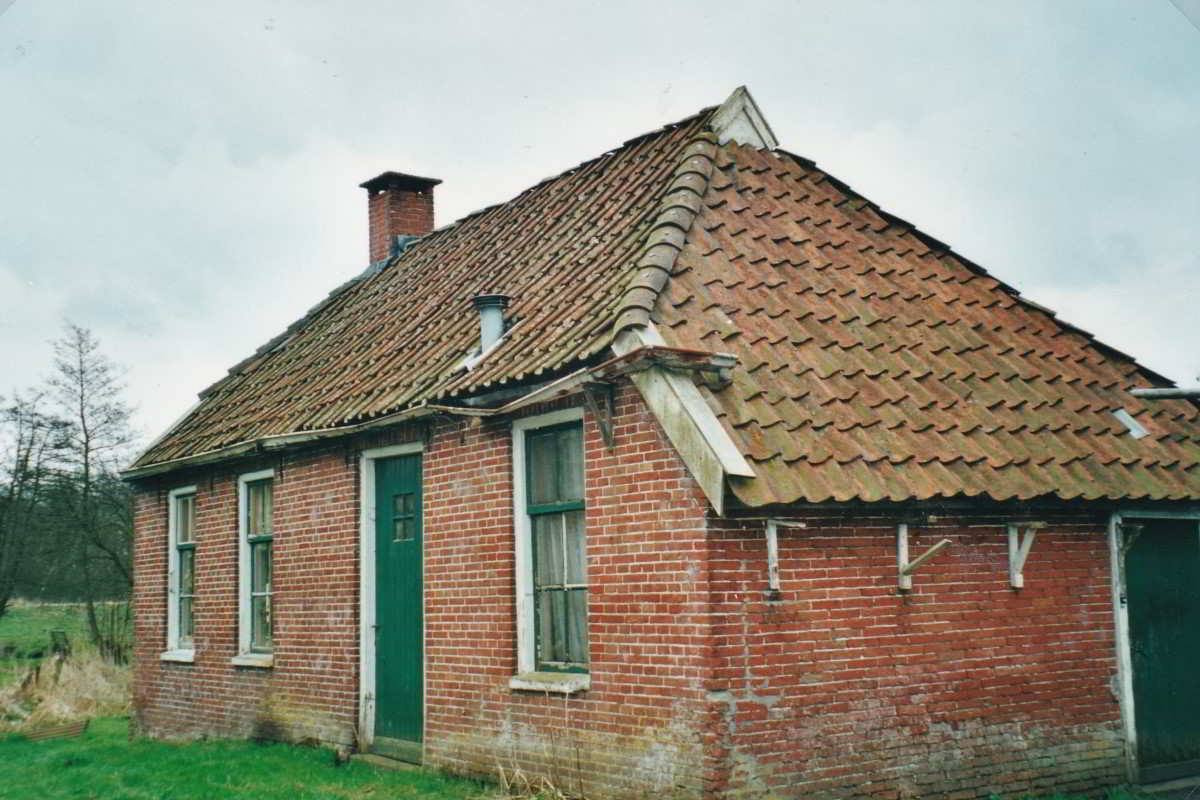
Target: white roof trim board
(740, 120)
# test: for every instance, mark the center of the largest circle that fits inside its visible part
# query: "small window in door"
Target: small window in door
(404, 517)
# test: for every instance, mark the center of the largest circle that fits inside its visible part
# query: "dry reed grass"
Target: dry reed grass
(515, 784)
(58, 689)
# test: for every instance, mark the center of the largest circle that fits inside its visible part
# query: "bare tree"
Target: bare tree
(31, 440)
(86, 389)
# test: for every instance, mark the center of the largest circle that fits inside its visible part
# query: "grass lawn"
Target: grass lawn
(104, 764)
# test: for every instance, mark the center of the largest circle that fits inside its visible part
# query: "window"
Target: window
(551, 552)
(554, 457)
(181, 573)
(256, 535)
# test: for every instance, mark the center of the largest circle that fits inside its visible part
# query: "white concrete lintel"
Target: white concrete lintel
(555, 682)
(261, 660)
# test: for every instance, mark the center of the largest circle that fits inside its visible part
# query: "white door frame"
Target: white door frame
(366, 584)
(1121, 617)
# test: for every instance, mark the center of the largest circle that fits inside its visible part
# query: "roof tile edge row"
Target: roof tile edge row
(681, 204)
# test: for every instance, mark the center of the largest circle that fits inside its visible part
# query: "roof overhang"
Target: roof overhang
(714, 365)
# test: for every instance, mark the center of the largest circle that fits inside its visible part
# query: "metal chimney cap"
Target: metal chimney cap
(399, 180)
(482, 301)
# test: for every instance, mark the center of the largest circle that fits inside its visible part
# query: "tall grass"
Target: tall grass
(37, 686)
(58, 689)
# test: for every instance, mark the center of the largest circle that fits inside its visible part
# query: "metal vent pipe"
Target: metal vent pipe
(1166, 394)
(491, 318)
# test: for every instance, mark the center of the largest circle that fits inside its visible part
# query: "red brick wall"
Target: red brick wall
(397, 211)
(637, 730)
(310, 691)
(844, 688)
(700, 685)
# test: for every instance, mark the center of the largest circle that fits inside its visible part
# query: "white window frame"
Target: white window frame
(527, 677)
(174, 651)
(245, 657)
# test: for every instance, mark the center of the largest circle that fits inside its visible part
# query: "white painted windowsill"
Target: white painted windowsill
(181, 656)
(253, 660)
(561, 682)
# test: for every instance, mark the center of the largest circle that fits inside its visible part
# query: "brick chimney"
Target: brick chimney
(398, 205)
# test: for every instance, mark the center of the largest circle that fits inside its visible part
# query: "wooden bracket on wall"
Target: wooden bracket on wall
(773, 526)
(906, 568)
(599, 399)
(1018, 549)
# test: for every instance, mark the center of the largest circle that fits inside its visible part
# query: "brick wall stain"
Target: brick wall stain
(702, 686)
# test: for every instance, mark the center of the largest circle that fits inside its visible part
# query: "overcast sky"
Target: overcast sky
(182, 178)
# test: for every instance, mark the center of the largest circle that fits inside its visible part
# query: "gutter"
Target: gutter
(280, 441)
(640, 359)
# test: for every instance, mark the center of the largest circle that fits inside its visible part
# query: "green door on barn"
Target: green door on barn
(1162, 592)
(399, 651)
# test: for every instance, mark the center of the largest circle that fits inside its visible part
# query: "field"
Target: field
(26, 626)
(25, 633)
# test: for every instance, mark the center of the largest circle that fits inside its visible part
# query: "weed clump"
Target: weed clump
(63, 688)
(517, 785)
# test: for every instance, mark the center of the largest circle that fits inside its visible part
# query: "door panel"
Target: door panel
(399, 651)
(1162, 588)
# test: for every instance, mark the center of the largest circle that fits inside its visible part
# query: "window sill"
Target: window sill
(560, 682)
(265, 660)
(181, 656)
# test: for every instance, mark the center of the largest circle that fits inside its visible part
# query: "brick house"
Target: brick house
(686, 472)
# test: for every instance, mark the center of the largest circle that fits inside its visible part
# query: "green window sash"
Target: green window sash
(260, 541)
(554, 502)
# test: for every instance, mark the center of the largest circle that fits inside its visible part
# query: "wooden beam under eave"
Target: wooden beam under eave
(690, 425)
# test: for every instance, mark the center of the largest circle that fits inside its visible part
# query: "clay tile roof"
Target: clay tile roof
(873, 362)
(564, 250)
(876, 364)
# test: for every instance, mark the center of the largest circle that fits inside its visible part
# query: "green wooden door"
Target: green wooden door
(399, 650)
(1162, 587)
